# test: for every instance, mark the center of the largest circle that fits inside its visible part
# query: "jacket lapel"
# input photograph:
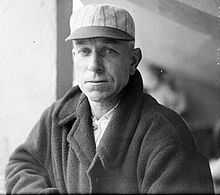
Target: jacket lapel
(81, 136)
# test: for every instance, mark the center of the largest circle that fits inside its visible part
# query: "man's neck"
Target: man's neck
(100, 108)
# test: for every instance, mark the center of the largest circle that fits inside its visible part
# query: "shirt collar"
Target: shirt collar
(104, 119)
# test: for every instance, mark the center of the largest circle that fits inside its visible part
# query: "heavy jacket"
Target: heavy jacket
(146, 148)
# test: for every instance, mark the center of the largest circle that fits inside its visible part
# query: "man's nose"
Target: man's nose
(95, 63)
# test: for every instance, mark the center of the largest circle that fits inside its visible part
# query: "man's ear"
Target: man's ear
(73, 51)
(136, 58)
(73, 48)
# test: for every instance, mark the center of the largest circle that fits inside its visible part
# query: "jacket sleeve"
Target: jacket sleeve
(173, 169)
(28, 169)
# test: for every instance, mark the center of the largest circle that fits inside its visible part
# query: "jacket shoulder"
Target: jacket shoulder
(166, 123)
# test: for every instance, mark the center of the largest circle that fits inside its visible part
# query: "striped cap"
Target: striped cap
(99, 20)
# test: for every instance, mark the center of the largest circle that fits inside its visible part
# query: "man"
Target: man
(106, 135)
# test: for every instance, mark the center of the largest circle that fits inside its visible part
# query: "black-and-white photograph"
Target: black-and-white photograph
(109, 96)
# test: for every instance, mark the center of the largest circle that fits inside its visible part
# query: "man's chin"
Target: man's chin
(97, 98)
(96, 94)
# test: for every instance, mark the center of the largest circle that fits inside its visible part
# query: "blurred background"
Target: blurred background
(180, 42)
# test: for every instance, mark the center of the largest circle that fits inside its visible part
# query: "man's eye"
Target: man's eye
(84, 51)
(109, 51)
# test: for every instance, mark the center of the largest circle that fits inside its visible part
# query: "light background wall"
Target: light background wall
(28, 69)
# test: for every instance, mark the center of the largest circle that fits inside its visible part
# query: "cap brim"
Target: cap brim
(99, 31)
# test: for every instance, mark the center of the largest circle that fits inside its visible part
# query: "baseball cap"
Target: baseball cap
(101, 20)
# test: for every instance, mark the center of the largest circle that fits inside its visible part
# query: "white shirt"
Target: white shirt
(99, 125)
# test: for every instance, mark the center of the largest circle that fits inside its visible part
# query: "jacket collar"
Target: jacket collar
(65, 110)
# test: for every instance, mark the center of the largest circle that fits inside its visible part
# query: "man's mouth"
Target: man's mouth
(98, 81)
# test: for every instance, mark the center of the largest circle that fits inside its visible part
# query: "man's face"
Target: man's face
(102, 67)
